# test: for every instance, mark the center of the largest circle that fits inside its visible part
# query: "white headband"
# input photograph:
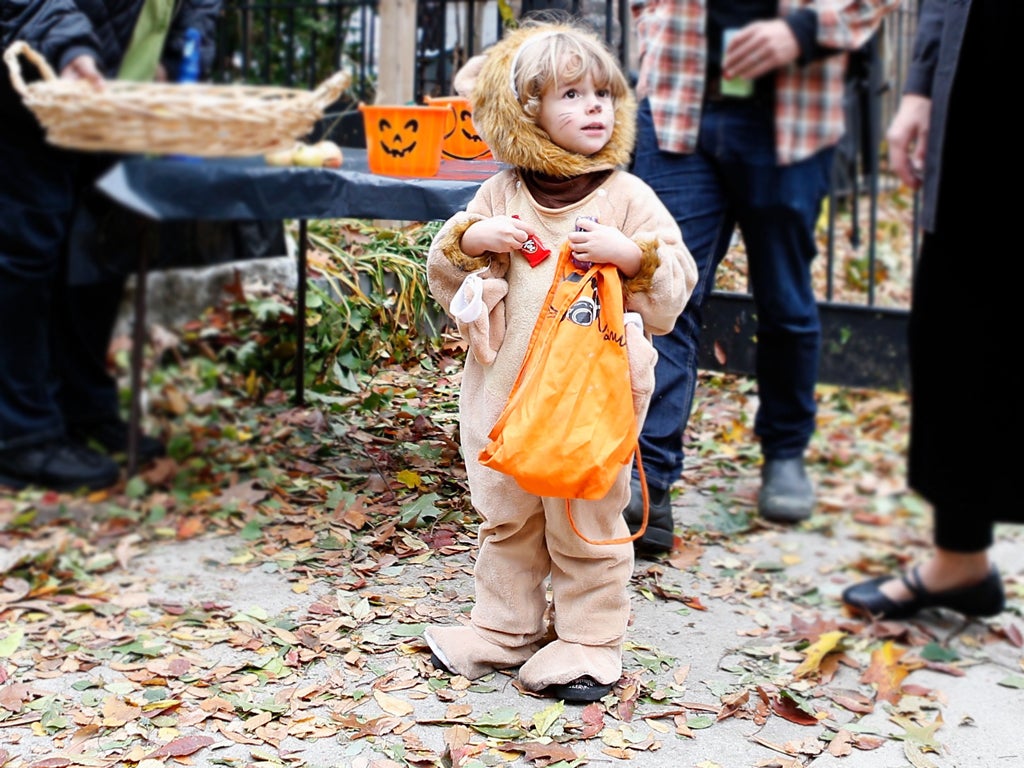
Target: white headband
(519, 52)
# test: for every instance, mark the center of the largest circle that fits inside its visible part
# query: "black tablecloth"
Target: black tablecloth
(249, 189)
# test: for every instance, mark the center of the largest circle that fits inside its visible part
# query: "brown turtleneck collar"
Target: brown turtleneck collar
(555, 192)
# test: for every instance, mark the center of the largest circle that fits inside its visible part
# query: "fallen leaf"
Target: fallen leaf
(392, 704)
(886, 672)
(545, 754)
(785, 706)
(816, 652)
(186, 745)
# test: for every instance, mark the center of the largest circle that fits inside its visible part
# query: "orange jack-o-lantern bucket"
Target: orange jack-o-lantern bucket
(404, 140)
(461, 141)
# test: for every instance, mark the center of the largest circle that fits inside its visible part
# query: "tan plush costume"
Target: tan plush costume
(525, 540)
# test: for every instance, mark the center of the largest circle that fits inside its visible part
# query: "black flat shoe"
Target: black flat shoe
(986, 598)
(438, 664)
(582, 689)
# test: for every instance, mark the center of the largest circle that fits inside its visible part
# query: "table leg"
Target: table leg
(148, 244)
(300, 318)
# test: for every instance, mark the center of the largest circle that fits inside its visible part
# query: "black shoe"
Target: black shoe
(786, 495)
(438, 664)
(57, 465)
(660, 534)
(112, 436)
(582, 689)
(986, 598)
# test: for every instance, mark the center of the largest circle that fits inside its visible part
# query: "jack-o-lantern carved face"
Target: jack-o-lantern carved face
(402, 139)
(398, 142)
(461, 141)
(464, 143)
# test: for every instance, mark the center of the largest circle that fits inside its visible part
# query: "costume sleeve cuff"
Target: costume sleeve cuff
(450, 245)
(649, 262)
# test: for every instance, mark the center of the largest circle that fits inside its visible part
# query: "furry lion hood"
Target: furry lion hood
(512, 135)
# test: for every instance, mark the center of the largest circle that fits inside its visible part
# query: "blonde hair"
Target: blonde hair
(562, 55)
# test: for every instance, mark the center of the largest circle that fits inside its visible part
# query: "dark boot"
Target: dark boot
(786, 495)
(660, 534)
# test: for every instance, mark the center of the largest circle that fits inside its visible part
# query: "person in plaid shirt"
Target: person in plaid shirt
(743, 135)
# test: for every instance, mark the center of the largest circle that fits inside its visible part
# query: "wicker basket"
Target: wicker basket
(163, 118)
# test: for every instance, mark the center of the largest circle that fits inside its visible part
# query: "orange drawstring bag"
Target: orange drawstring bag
(568, 427)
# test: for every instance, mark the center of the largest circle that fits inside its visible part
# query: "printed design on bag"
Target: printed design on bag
(586, 309)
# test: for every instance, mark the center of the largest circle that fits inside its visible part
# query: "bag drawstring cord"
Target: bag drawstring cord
(643, 524)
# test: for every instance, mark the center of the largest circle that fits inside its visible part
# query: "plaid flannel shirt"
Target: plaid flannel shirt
(808, 99)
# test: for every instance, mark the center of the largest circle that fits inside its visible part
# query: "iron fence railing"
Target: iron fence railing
(301, 42)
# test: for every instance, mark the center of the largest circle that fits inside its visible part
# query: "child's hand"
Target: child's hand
(500, 234)
(602, 244)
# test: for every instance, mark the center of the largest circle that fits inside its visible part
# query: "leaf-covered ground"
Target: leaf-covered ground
(257, 598)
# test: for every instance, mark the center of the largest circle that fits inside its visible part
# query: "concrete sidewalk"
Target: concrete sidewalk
(710, 677)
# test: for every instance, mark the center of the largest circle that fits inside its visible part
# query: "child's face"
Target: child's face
(577, 116)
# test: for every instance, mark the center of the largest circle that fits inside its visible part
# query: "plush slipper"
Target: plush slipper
(460, 650)
(986, 598)
(582, 689)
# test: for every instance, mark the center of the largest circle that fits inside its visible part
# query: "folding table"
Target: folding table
(166, 189)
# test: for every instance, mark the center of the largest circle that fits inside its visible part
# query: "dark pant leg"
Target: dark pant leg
(83, 323)
(37, 184)
(689, 187)
(102, 248)
(777, 207)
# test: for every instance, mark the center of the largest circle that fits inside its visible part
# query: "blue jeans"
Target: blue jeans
(733, 179)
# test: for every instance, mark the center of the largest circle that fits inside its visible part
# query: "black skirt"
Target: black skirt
(965, 323)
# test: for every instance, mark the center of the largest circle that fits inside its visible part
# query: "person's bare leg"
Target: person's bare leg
(945, 570)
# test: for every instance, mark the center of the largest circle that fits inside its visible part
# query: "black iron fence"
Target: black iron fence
(865, 270)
